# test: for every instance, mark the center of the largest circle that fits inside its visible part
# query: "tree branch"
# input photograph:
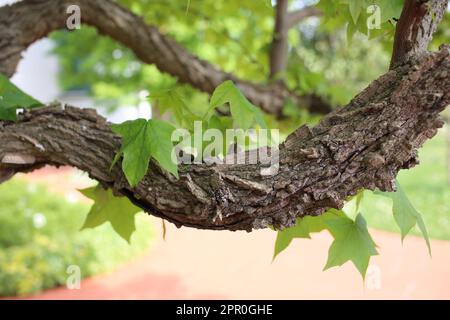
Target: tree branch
(279, 48)
(295, 17)
(285, 20)
(362, 145)
(415, 28)
(25, 22)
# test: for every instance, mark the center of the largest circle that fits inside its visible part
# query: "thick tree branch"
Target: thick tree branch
(295, 17)
(362, 145)
(25, 22)
(415, 28)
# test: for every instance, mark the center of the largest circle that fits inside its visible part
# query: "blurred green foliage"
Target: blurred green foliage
(40, 239)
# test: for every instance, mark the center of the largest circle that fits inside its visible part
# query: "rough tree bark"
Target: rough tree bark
(25, 22)
(362, 145)
(415, 28)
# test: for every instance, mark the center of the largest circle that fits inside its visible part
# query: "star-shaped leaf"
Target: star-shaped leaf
(174, 101)
(352, 242)
(142, 140)
(119, 211)
(244, 113)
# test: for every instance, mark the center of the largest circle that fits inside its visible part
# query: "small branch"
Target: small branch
(415, 28)
(295, 17)
(279, 48)
(285, 20)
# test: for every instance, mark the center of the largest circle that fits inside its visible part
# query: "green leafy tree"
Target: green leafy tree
(213, 66)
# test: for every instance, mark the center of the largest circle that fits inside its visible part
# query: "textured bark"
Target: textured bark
(415, 28)
(362, 145)
(24, 23)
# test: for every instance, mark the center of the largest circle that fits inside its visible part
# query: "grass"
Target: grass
(426, 186)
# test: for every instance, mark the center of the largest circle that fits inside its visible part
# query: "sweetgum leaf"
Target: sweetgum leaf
(141, 141)
(244, 113)
(119, 211)
(352, 242)
(174, 101)
(405, 215)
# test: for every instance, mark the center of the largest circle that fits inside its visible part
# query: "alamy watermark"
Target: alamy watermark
(73, 21)
(373, 277)
(374, 18)
(73, 281)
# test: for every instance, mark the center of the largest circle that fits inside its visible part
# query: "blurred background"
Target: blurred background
(41, 213)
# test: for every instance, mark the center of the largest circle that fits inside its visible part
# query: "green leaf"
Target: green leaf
(354, 15)
(358, 200)
(303, 229)
(390, 9)
(352, 242)
(119, 211)
(405, 215)
(142, 140)
(355, 7)
(12, 98)
(173, 100)
(351, 30)
(244, 113)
